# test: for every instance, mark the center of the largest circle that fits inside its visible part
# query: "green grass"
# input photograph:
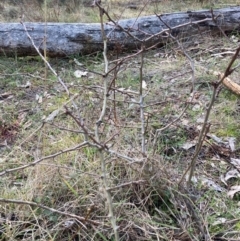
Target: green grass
(146, 199)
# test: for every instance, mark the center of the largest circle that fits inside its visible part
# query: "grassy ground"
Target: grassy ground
(59, 190)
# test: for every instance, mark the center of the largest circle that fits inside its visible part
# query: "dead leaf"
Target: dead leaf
(80, 74)
(5, 95)
(27, 85)
(77, 62)
(39, 98)
(196, 107)
(231, 142)
(233, 191)
(187, 145)
(235, 162)
(69, 223)
(216, 139)
(185, 122)
(234, 39)
(222, 178)
(144, 85)
(219, 221)
(233, 173)
(52, 115)
(4, 143)
(212, 184)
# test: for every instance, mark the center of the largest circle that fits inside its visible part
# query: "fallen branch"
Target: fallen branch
(64, 39)
(228, 83)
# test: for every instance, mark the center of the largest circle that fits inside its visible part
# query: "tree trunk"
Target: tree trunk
(64, 39)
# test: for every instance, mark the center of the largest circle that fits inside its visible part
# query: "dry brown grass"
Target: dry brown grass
(81, 11)
(147, 202)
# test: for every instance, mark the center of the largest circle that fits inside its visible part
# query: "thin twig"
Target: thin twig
(98, 123)
(192, 165)
(79, 218)
(141, 103)
(77, 147)
(44, 59)
(126, 184)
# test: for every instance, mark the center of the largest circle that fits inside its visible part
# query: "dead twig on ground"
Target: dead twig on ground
(81, 220)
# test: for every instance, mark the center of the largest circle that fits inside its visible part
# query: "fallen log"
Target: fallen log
(64, 39)
(227, 81)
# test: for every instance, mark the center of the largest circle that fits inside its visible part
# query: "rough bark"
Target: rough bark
(64, 39)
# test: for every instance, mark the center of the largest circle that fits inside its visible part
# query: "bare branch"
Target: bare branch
(77, 147)
(205, 126)
(44, 59)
